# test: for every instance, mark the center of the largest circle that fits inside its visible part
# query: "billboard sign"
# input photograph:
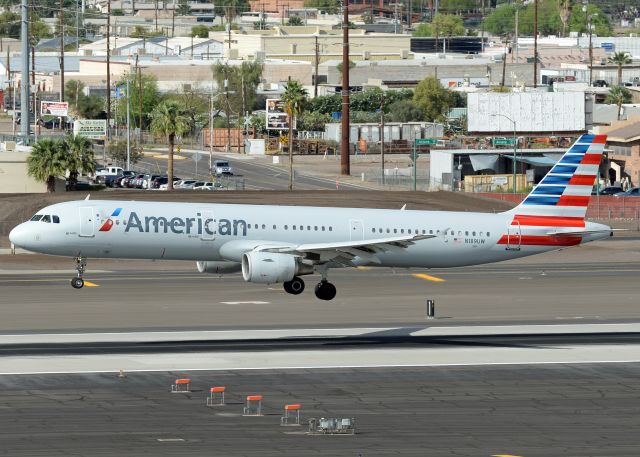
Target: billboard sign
(58, 109)
(95, 129)
(277, 118)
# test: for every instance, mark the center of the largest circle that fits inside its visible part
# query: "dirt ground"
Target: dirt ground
(16, 208)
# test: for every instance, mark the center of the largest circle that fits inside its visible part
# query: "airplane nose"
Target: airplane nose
(19, 235)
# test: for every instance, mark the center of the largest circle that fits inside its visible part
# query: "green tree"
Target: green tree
(312, 121)
(295, 21)
(118, 152)
(618, 95)
(458, 6)
(579, 20)
(620, 59)
(195, 105)
(79, 153)
(339, 67)
(48, 160)
(501, 21)
(423, 29)
(200, 31)
(81, 105)
(140, 31)
(295, 101)
(183, 8)
(405, 111)
(9, 25)
(168, 120)
(447, 25)
(242, 83)
(434, 100)
(150, 99)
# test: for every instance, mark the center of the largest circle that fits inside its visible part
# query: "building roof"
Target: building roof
(626, 133)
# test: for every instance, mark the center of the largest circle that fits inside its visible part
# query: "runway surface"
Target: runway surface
(529, 411)
(143, 299)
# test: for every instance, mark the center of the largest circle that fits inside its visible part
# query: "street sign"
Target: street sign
(426, 141)
(503, 142)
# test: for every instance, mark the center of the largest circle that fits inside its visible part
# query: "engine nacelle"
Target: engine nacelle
(218, 268)
(270, 268)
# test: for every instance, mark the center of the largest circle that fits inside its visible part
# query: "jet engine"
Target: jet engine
(218, 268)
(269, 268)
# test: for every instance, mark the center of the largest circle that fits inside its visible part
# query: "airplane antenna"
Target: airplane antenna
(403, 207)
(87, 198)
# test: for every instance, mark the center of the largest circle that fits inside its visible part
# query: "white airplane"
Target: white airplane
(278, 244)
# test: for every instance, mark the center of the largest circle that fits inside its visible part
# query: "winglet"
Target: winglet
(87, 197)
(403, 207)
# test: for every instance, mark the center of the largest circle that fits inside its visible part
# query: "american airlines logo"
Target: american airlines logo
(185, 226)
(109, 222)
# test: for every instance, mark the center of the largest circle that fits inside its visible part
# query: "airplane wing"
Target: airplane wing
(345, 251)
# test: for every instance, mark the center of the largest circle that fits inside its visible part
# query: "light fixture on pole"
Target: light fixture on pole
(515, 146)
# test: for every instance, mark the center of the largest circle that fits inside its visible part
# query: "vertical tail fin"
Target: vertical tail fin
(563, 194)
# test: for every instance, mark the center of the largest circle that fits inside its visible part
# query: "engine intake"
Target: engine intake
(270, 268)
(218, 268)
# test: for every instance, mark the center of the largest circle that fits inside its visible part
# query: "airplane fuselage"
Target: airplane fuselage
(221, 232)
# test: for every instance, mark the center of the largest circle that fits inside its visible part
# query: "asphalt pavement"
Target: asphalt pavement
(529, 411)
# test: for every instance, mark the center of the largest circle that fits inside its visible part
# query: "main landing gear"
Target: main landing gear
(81, 264)
(324, 289)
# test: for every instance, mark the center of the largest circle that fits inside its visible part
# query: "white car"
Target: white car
(222, 167)
(186, 184)
(209, 186)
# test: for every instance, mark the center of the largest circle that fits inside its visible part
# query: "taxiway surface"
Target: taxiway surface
(531, 411)
(595, 283)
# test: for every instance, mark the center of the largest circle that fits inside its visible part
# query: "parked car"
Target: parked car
(156, 183)
(132, 183)
(222, 167)
(183, 183)
(192, 184)
(610, 190)
(146, 181)
(633, 192)
(104, 172)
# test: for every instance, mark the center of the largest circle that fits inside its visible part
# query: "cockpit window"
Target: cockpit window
(56, 219)
(36, 217)
(46, 218)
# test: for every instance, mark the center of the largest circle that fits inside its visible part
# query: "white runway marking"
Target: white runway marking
(245, 302)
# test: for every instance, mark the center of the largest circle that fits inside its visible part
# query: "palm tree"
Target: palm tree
(168, 119)
(620, 59)
(294, 99)
(47, 160)
(617, 96)
(79, 157)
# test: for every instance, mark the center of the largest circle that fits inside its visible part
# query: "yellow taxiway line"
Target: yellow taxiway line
(428, 277)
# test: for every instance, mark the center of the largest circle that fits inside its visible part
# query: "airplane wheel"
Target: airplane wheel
(295, 286)
(325, 290)
(77, 283)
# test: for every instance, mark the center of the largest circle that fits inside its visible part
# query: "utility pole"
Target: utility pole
(344, 146)
(535, 44)
(140, 96)
(226, 99)
(156, 15)
(504, 62)
(382, 134)
(108, 70)
(211, 136)
(515, 40)
(128, 125)
(173, 20)
(315, 79)
(61, 50)
(24, 88)
(589, 24)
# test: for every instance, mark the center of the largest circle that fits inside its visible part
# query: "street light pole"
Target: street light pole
(515, 147)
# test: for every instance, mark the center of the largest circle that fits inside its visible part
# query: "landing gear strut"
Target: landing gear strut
(81, 264)
(325, 290)
(295, 286)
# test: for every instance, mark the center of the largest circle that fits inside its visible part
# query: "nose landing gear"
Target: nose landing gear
(81, 264)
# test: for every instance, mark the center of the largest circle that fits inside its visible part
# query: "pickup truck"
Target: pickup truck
(105, 173)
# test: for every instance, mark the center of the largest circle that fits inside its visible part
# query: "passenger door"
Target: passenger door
(87, 221)
(356, 230)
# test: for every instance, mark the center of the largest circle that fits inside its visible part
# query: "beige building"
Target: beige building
(299, 43)
(13, 173)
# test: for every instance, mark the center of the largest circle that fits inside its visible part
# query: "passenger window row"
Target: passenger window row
(430, 232)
